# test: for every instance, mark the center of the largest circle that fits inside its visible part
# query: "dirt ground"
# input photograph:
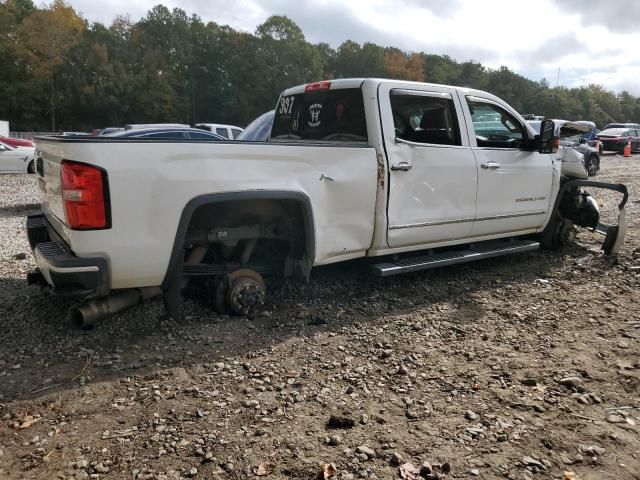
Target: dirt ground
(521, 367)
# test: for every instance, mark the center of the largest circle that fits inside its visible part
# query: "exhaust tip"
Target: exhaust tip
(78, 320)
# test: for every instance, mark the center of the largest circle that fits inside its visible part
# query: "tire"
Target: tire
(31, 168)
(592, 165)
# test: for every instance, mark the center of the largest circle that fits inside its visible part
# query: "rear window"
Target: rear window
(321, 115)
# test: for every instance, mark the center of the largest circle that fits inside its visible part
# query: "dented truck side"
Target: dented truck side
(413, 175)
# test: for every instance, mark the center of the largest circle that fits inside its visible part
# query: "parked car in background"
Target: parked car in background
(99, 132)
(573, 145)
(16, 142)
(227, 131)
(591, 137)
(531, 116)
(622, 125)
(259, 129)
(139, 126)
(615, 139)
(168, 134)
(17, 159)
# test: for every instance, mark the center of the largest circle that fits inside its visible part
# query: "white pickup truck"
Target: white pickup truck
(411, 175)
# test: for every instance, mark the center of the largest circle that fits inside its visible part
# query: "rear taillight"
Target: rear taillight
(84, 196)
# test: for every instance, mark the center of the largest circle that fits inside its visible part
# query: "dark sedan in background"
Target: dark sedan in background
(617, 138)
(168, 134)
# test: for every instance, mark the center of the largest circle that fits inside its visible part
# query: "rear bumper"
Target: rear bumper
(60, 269)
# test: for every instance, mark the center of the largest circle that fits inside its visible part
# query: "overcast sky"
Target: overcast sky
(589, 41)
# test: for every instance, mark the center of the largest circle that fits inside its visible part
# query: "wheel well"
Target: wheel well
(221, 219)
(234, 220)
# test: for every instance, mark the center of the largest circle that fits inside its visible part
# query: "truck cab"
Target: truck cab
(458, 164)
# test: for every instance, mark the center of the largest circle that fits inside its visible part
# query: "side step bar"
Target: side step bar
(477, 251)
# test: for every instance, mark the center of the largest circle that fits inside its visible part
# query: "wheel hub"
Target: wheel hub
(247, 291)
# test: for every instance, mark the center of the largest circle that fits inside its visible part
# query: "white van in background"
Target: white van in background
(227, 131)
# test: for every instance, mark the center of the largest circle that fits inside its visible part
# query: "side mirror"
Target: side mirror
(548, 141)
(583, 140)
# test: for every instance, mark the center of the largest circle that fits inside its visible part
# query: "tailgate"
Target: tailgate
(49, 154)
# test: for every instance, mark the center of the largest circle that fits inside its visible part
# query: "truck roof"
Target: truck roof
(359, 82)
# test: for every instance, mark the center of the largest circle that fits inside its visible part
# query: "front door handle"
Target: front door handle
(402, 167)
(490, 165)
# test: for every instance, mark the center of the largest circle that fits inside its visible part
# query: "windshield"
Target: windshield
(321, 115)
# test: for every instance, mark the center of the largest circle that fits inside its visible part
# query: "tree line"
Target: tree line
(60, 72)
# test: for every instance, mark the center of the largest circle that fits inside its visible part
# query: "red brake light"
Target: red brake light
(83, 196)
(324, 85)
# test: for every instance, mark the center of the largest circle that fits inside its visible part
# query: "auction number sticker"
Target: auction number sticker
(286, 105)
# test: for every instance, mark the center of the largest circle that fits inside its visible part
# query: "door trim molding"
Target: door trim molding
(465, 220)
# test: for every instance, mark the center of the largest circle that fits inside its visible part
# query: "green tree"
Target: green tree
(354, 60)
(44, 39)
(171, 66)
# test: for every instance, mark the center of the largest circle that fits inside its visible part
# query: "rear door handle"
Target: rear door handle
(402, 167)
(490, 165)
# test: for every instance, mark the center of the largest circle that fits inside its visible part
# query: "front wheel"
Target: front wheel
(592, 165)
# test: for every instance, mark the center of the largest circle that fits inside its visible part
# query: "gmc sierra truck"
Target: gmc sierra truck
(411, 175)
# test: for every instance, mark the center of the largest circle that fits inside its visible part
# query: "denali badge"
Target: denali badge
(530, 199)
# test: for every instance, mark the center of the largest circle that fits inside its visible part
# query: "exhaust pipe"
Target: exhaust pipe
(90, 313)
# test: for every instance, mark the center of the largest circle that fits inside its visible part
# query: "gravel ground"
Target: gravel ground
(522, 367)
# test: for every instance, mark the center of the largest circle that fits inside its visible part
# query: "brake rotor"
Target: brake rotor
(247, 291)
(567, 233)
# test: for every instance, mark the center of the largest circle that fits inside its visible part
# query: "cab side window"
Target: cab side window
(422, 118)
(495, 127)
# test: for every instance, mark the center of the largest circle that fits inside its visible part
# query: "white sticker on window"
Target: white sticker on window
(314, 114)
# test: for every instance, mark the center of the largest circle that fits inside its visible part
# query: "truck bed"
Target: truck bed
(151, 181)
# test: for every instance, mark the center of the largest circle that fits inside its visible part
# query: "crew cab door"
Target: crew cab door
(432, 171)
(514, 185)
